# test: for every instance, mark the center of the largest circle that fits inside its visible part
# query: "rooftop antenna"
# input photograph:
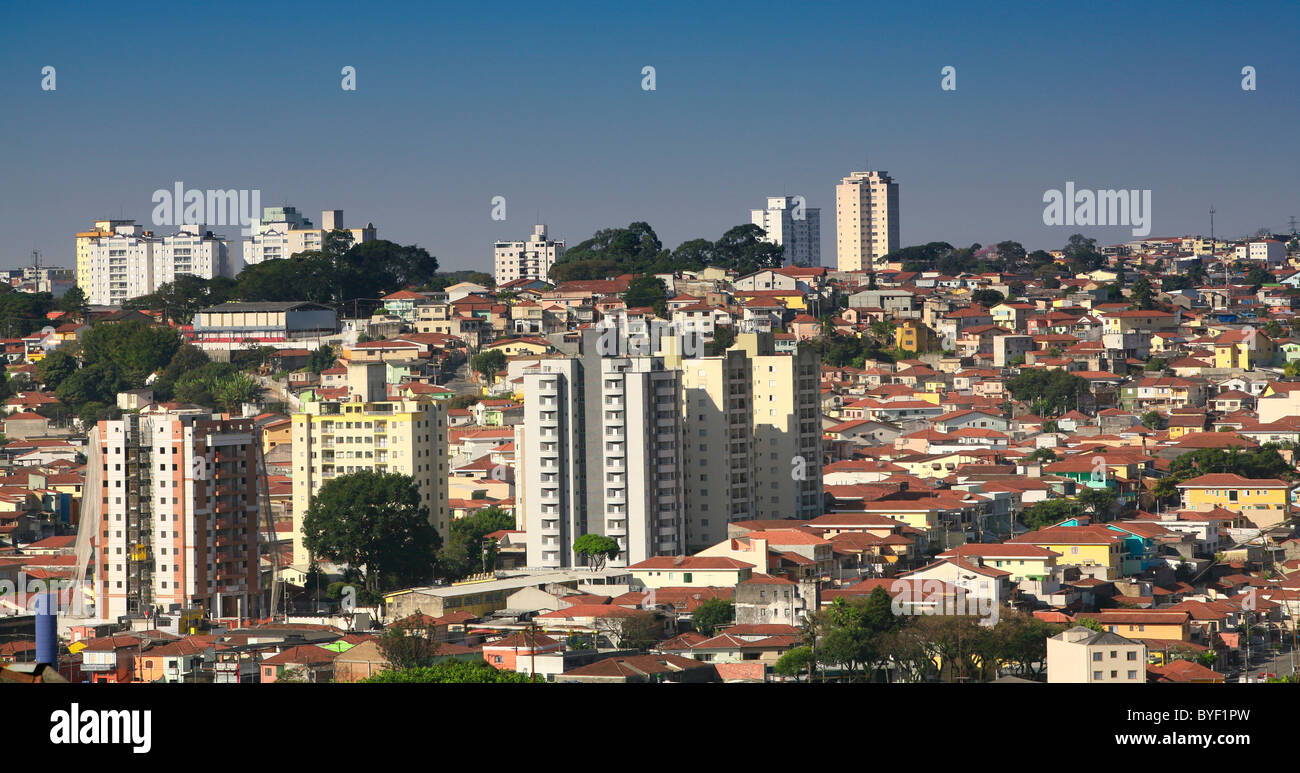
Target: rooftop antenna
(36, 259)
(1293, 231)
(1214, 244)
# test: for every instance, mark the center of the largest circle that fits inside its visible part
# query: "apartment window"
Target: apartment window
(1096, 656)
(1096, 675)
(1132, 655)
(1132, 674)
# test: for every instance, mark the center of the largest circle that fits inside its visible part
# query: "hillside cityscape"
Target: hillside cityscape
(305, 453)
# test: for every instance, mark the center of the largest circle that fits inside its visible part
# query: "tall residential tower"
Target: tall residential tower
(866, 219)
(794, 226)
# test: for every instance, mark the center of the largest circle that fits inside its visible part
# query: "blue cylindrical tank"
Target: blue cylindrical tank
(47, 630)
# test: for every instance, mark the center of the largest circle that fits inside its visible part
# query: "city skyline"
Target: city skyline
(1043, 97)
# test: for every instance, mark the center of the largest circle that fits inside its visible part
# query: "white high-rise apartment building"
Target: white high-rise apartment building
(283, 232)
(369, 432)
(602, 444)
(178, 521)
(866, 219)
(797, 229)
(126, 261)
(526, 260)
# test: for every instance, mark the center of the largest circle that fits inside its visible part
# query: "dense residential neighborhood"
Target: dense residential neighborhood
(617, 462)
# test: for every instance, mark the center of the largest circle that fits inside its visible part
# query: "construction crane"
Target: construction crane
(268, 521)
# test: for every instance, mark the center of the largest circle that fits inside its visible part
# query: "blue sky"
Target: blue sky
(457, 103)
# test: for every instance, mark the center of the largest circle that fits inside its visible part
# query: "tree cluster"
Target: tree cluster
(863, 639)
(636, 249)
(1049, 392)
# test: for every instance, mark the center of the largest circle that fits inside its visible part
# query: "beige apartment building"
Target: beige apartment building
(866, 219)
(1084, 655)
(718, 447)
(786, 427)
(369, 432)
(530, 259)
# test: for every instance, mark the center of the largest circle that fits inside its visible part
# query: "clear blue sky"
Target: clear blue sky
(542, 104)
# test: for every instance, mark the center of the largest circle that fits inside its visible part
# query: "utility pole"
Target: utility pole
(532, 649)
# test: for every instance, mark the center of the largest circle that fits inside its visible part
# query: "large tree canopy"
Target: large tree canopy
(375, 523)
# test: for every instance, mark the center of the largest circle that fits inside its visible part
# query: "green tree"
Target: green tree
(487, 364)
(597, 549)
(1048, 512)
(744, 250)
(647, 291)
(1081, 254)
(987, 298)
(1051, 392)
(1141, 295)
(99, 382)
(75, 302)
(1023, 640)
(1042, 455)
(1012, 255)
(55, 368)
(1152, 420)
(468, 549)
(135, 348)
(450, 672)
(712, 614)
(217, 385)
(410, 645)
(1258, 276)
(321, 359)
(1099, 502)
(375, 523)
(795, 662)
(724, 336)
(188, 358)
(637, 631)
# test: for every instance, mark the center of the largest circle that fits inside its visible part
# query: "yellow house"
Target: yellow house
(1243, 349)
(933, 392)
(918, 515)
(1026, 563)
(277, 433)
(913, 336)
(1134, 320)
(792, 299)
(513, 347)
(1262, 500)
(1147, 624)
(931, 465)
(1080, 545)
